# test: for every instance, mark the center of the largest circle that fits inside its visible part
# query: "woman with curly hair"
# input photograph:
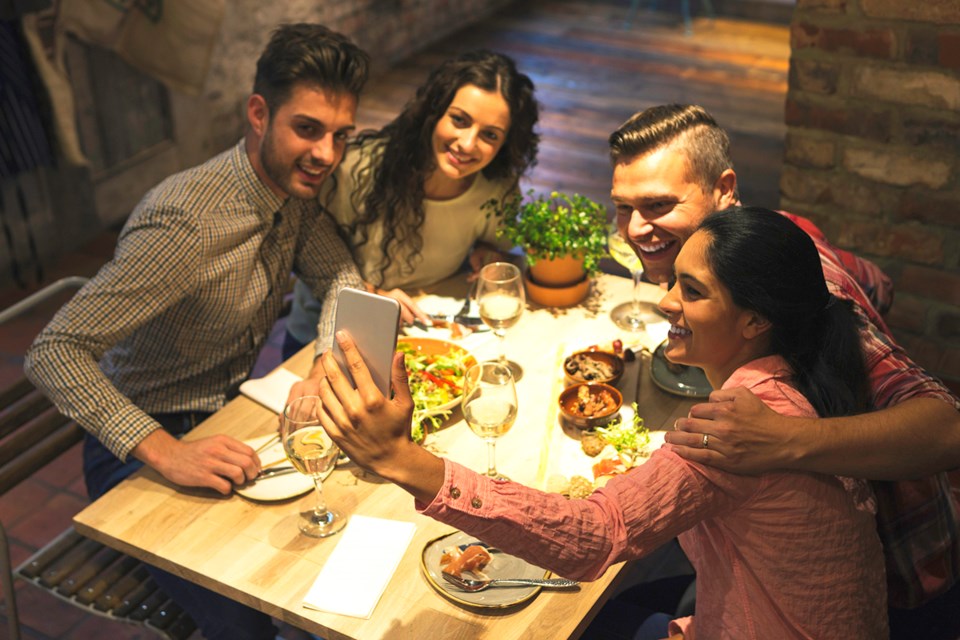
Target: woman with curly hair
(409, 198)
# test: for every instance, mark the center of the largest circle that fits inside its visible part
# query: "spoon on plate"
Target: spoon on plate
(470, 585)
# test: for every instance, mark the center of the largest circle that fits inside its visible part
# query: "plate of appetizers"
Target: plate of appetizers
(464, 555)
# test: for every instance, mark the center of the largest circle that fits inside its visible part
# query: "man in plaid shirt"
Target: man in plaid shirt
(671, 169)
(166, 332)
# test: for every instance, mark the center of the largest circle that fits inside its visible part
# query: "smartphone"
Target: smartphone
(372, 321)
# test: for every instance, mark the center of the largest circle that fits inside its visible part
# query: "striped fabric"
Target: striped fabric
(23, 141)
(918, 520)
(175, 321)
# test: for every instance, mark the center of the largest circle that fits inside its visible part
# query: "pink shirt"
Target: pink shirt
(782, 555)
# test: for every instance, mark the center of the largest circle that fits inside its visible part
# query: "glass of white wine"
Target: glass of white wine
(312, 452)
(633, 315)
(501, 298)
(490, 406)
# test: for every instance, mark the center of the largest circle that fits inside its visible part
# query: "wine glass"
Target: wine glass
(501, 298)
(490, 406)
(312, 452)
(633, 315)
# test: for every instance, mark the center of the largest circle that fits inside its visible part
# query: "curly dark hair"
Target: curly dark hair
(390, 188)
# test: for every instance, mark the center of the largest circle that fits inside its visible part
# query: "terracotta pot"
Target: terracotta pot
(559, 296)
(558, 272)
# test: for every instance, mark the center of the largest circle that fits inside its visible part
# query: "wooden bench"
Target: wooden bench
(73, 568)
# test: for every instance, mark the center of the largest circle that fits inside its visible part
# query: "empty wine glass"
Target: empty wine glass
(501, 298)
(312, 452)
(633, 315)
(490, 406)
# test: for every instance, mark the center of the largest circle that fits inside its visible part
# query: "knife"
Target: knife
(468, 321)
(275, 471)
(462, 318)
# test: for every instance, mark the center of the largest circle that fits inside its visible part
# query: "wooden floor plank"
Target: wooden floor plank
(592, 72)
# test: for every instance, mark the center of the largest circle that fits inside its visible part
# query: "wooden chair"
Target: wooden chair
(71, 567)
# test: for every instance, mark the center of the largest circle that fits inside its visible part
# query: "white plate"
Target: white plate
(501, 566)
(282, 487)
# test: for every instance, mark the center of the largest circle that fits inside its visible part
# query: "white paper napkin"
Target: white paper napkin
(440, 305)
(358, 570)
(271, 390)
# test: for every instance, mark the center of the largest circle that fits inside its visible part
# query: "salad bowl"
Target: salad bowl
(435, 370)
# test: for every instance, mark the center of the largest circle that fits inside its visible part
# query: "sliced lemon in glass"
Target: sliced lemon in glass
(316, 437)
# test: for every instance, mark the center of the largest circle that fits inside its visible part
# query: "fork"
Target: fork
(469, 585)
(275, 438)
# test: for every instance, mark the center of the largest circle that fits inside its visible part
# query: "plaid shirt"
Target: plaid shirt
(918, 520)
(174, 322)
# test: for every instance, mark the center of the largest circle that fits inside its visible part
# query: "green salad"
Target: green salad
(629, 439)
(436, 381)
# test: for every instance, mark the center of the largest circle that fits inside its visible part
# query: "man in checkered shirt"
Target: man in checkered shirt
(165, 333)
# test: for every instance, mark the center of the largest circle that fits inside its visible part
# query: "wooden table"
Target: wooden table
(253, 552)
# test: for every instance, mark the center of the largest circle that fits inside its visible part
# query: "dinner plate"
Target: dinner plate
(281, 487)
(433, 347)
(690, 382)
(501, 565)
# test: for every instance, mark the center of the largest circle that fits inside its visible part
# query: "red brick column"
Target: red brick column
(873, 152)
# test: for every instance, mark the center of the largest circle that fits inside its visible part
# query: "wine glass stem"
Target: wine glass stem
(637, 276)
(321, 509)
(501, 337)
(492, 457)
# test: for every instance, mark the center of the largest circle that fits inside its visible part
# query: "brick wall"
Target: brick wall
(873, 152)
(389, 30)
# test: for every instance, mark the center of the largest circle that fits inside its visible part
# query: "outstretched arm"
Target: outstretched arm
(632, 515)
(914, 438)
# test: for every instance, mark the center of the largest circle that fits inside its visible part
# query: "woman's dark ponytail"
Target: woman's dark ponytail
(772, 267)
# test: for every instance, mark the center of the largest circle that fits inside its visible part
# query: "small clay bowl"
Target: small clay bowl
(580, 375)
(569, 402)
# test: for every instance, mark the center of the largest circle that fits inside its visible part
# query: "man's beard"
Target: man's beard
(281, 174)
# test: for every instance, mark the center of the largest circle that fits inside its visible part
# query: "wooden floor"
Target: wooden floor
(591, 73)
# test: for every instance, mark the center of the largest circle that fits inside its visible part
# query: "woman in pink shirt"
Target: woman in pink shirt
(780, 555)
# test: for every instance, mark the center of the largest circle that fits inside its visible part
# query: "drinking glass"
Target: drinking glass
(500, 296)
(312, 452)
(490, 406)
(633, 315)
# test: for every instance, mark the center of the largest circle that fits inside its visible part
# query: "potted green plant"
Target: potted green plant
(564, 237)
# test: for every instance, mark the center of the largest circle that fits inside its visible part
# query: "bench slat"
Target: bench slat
(13, 392)
(74, 568)
(132, 600)
(113, 597)
(30, 434)
(53, 575)
(98, 562)
(95, 588)
(22, 411)
(42, 454)
(35, 565)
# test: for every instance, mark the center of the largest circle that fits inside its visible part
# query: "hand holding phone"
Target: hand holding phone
(372, 321)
